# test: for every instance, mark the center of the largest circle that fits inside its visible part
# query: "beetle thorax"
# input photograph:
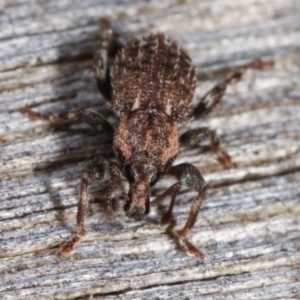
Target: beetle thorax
(146, 137)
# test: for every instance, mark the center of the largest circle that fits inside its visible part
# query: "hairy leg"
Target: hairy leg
(194, 136)
(187, 175)
(87, 115)
(104, 57)
(171, 191)
(98, 168)
(206, 105)
(210, 100)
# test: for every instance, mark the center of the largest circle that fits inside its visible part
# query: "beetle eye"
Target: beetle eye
(154, 179)
(129, 174)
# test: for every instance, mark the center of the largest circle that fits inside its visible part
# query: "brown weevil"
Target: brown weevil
(150, 83)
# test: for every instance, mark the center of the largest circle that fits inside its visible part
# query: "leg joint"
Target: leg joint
(189, 175)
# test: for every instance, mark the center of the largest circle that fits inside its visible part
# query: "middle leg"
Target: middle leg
(87, 115)
(194, 136)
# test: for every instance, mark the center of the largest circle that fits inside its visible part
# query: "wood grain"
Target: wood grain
(249, 224)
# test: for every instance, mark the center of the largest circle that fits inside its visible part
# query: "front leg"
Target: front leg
(194, 136)
(187, 175)
(98, 168)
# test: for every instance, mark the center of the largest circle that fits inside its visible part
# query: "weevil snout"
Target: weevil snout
(138, 205)
(140, 178)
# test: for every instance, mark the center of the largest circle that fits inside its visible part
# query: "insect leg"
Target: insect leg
(187, 175)
(98, 168)
(194, 136)
(87, 115)
(171, 191)
(190, 176)
(104, 57)
(210, 100)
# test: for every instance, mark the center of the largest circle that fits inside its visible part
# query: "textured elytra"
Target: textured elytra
(153, 74)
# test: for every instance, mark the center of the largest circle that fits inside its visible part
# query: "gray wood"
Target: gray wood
(249, 225)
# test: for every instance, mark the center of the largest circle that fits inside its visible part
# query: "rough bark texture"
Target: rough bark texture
(249, 225)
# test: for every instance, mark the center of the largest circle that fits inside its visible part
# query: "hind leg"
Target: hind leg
(213, 97)
(104, 57)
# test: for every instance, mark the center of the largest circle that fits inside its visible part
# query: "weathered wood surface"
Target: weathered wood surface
(249, 226)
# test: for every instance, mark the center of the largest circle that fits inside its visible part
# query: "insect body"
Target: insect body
(153, 86)
(150, 83)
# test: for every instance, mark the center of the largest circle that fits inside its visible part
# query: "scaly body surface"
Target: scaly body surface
(153, 85)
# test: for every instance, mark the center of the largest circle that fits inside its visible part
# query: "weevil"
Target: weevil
(150, 83)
